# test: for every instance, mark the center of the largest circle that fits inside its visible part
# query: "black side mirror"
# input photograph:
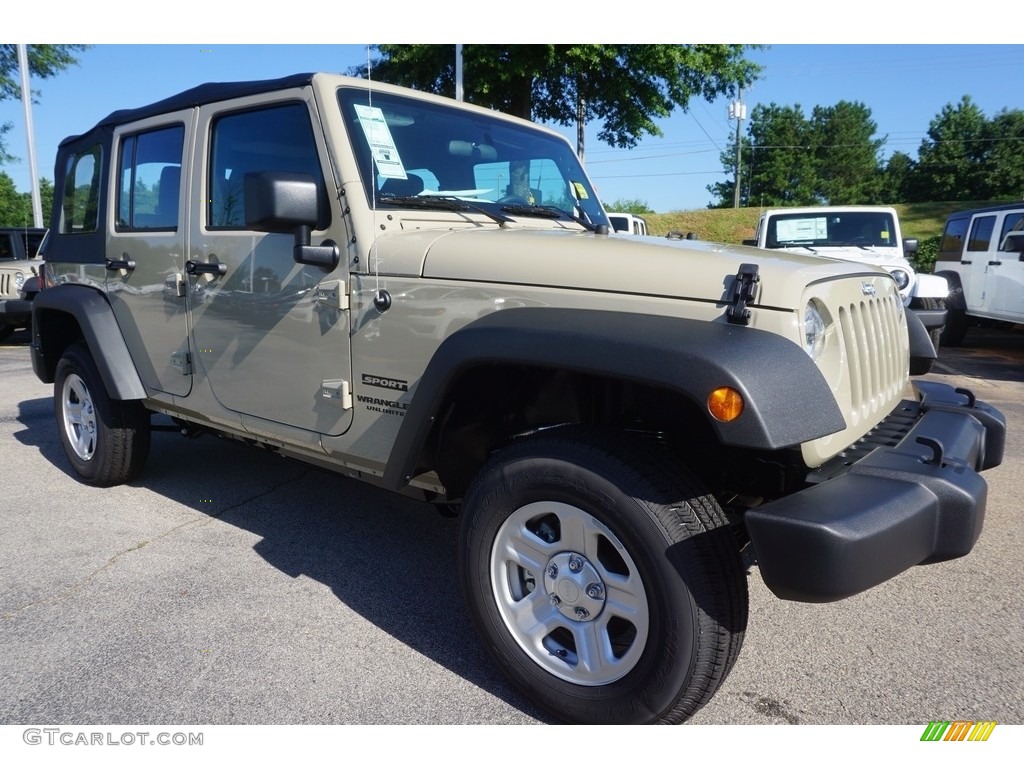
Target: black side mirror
(1014, 243)
(279, 201)
(909, 246)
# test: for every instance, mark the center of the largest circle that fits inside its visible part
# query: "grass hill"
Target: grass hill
(733, 225)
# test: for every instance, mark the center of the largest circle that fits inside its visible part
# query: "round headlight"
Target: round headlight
(19, 280)
(901, 277)
(814, 331)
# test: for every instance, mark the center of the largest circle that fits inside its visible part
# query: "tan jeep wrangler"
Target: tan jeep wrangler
(424, 295)
(19, 269)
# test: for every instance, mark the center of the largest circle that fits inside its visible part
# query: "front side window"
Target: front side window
(150, 179)
(981, 233)
(279, 138)
(80, 196)
(1012, 234)
(413, 152)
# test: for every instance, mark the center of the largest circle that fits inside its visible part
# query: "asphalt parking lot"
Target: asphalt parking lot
(230, 586)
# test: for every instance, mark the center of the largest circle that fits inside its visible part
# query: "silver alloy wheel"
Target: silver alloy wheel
(79, 416)
(569, 593)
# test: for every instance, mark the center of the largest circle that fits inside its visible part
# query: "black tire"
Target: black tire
(6, 331)
(106, 441)
(643, 531)
(956, 328)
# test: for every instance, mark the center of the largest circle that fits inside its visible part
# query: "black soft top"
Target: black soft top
(988, 209)
(194, 97)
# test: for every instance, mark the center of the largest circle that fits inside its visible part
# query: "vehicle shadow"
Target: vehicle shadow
(990, 353)
(389, 558)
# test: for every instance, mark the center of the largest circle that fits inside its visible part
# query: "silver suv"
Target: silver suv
(425, 295)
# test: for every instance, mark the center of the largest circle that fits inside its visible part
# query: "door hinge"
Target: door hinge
(332, 294)
(338, 392)
(183, 362)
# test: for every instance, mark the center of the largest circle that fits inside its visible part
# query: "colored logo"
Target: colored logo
(958, 730)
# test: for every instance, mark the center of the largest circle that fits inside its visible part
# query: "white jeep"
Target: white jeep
(868, 234)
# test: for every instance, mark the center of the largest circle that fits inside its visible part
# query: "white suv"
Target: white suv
(868, 234)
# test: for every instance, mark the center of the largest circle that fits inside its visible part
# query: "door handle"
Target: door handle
(113, 265)
(203, 268)
(964, 261)
(994, 263)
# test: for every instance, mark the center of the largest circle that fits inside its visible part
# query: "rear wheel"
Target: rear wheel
(106, 441)
(604, 581)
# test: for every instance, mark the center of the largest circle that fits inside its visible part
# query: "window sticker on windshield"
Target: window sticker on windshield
(382, 146)
(580, 190)
(801, 229)
(885, 234)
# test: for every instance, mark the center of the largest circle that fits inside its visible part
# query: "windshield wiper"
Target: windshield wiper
(546, 212)
(442, 203)
(791, 244)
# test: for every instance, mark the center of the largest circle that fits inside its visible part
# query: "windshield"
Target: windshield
(443, 154)
(861, 228)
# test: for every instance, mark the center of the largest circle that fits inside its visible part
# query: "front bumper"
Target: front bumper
(15, 311)
(908, 494)
(931, 319)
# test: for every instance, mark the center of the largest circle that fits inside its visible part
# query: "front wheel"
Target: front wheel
(956, 328)
(604, 581)
(106, 441)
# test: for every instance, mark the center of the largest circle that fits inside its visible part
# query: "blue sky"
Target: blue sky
(904, 84)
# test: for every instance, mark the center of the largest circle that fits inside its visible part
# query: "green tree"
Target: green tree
(1004, 136)
(10, 202)
(894, 178)
(635, 206)
(847, 154)
(951, 160)
(777, 160)
(16, 207)
(625, 87)
(44, 61)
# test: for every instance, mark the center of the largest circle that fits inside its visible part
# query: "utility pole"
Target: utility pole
(26, 100)
(458, 72)
(581, 124)
(737, 112)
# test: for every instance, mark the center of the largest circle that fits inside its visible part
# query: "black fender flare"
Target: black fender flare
(787, 400)
(955, 299)
(922, 351)
(95, 317)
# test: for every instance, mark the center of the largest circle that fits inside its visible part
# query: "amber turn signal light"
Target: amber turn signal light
(725, 404)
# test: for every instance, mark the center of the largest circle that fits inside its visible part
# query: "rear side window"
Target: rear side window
(80, 196)
(149, 175)
(981, 233)
(278, 138)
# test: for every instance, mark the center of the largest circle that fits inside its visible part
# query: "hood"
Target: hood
(647, 266)
(880, 256)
